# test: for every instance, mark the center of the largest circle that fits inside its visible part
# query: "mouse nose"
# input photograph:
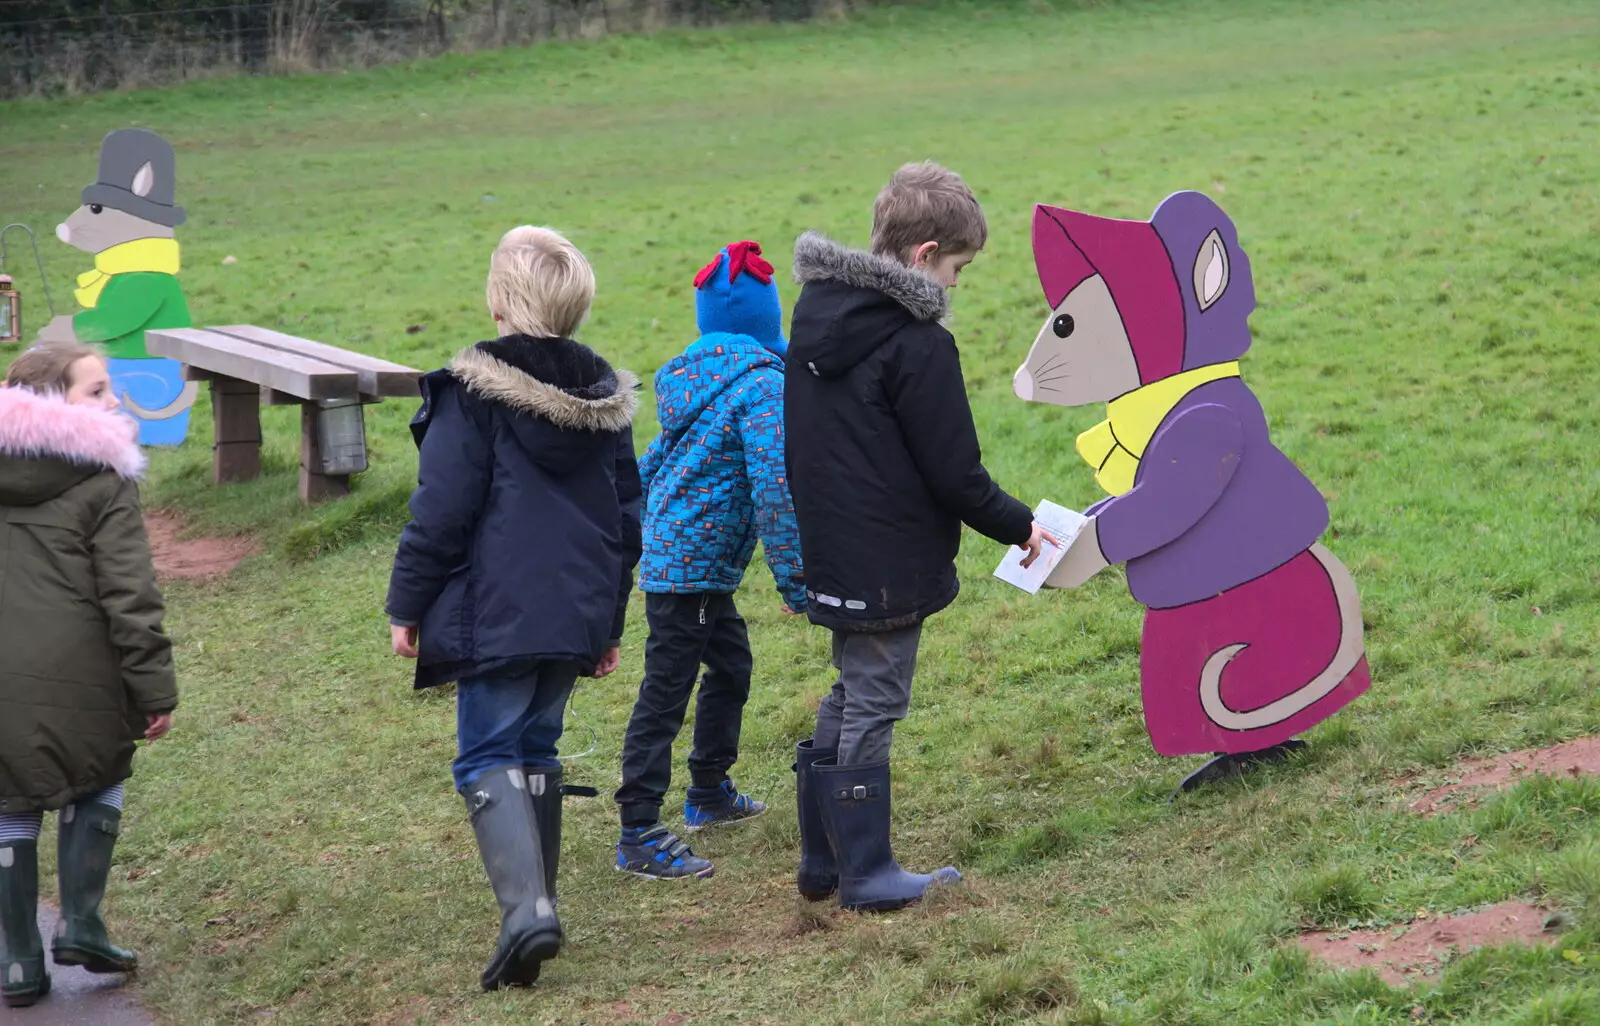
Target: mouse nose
(1022, 384)
(64, 233)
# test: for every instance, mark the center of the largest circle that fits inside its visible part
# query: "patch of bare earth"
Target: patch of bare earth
(1405, 954)
(191, 559)
(1474, 777)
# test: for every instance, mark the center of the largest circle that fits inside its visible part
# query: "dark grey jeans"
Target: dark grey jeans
(872, 692)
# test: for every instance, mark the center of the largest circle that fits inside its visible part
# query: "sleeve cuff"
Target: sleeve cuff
(400, 621)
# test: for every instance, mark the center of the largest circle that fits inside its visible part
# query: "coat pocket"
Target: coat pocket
(446, 632)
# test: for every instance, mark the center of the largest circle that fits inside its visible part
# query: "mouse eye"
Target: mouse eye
(1063, 326)
(95, 208)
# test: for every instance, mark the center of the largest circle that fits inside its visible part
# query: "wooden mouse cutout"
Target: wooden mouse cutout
(1253, 630)
(127, 222)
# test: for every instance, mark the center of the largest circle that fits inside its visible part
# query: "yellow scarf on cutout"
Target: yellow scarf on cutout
(1114, 446)
(158, 255)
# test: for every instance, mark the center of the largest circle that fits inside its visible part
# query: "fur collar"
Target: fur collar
(819, 258)
(557, 380)
(34, 426)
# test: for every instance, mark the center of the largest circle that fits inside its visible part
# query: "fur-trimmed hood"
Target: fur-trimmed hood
(853, 303)
(47, 445)
(556, 380)
(819, 258)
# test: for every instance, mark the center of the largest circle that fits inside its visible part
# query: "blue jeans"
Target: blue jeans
(510, 717)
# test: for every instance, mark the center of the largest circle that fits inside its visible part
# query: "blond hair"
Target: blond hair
(927, 203)
(539, 284)
(47, 367)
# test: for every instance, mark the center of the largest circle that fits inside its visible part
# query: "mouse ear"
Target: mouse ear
(144, 180)
(1210, 270)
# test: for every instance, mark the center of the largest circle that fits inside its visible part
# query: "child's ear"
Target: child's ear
(924, 254)
(1210, 270)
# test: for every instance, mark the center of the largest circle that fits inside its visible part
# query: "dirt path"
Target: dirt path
(1477, 777)
(1415, 951)
(79, 998)
(192, 558)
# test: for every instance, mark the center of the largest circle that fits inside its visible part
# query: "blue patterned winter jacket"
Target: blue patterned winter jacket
(714, 479)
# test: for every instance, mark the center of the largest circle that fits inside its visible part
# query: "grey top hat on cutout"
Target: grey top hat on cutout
(137, 176)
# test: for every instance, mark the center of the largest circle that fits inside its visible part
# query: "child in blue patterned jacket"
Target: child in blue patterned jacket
(714, 481)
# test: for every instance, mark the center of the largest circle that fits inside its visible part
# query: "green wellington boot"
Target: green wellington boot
(88, 837)
(23, 978)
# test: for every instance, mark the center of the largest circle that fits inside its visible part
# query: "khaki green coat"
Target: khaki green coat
(83, 657)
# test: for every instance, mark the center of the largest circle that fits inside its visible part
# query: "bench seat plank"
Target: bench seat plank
(302, 376)
(379, 378)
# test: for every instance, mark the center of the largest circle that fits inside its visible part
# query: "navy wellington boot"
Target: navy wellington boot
(855, 810)
(818, 877)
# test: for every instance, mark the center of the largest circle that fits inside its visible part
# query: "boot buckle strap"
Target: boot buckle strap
(858, 793)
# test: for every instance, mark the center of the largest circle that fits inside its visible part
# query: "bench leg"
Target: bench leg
(236, 430)
(316, 486)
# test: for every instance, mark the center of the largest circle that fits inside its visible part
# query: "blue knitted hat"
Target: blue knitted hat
(735, 293)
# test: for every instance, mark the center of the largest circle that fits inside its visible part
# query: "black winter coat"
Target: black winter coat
(882, 453)
(525, 522)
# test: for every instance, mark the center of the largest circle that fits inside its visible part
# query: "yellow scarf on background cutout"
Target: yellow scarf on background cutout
(1114, 446)
(158, 255)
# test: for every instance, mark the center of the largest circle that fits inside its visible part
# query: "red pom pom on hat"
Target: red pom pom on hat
(743, 257)
(746, 256)
(707, 271)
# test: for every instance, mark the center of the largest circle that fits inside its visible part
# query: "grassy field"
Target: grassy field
(1415, 184)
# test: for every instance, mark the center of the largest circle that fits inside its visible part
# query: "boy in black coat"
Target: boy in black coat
(884, 466)
(514, 573)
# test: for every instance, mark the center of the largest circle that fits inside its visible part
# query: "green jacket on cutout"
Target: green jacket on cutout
(130, 304)
(83, 657)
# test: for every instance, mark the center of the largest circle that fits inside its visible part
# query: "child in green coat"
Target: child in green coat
(87, 668)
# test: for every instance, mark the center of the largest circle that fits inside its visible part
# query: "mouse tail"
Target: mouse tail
(186, 398)
(1345, 659)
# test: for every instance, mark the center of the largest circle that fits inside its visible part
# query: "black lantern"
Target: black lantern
(10, 312)
(10, 299)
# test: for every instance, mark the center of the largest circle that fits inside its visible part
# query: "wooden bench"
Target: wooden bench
(248, 367)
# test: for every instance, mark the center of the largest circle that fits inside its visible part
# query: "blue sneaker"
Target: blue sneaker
(655, 853)
(713, 805)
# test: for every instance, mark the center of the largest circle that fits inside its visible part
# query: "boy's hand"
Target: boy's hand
(159, 724)
(404, 640)
(789, 611)
(608, 662)
(1036, 542)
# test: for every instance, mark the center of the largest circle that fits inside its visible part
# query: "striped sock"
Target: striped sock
(111, 796)
(20, 826)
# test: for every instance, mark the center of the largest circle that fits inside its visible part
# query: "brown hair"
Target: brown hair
(927, 203)
(47, 368)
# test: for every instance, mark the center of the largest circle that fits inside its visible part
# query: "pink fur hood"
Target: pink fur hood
(34, 426)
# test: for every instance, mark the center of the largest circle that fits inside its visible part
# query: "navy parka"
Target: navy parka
(525, 521)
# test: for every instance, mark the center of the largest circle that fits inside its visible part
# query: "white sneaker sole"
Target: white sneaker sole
(724, 822)
(666, 879)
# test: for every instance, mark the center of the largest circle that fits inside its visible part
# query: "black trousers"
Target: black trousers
(686, 631)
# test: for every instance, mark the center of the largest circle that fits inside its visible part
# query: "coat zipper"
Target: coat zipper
(703, 600)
